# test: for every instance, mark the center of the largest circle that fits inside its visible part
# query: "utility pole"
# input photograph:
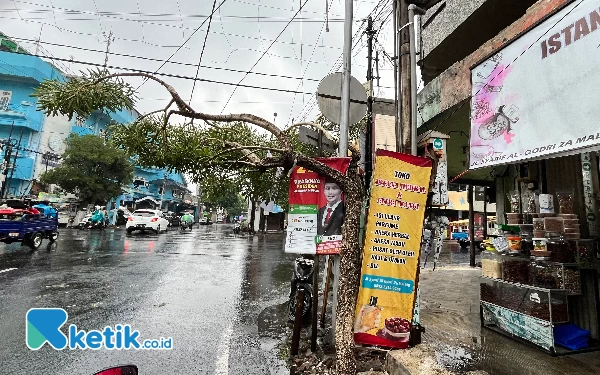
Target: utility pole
(405, 76)
(14, 164)
(109, 40)
(6, 161)
(397, 87)
(412, 11)
(162, 197)
(471, 227)
(369, 134)
(344, 127)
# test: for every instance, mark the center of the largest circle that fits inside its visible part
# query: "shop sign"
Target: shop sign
(534, 98)
(317, 211)
(386, 299)
(588, 192)
(438, 144)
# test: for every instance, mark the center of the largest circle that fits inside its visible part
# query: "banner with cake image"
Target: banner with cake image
(394, 227)
(317, 211)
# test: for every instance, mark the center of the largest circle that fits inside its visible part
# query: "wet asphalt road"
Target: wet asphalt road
(221, 297)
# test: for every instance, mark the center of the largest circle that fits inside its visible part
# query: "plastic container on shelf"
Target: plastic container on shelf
(538, 224)
(584, 251)
(569, 278)
(526, 228)
(514, 244)
(550, 305)
(515, 201)
(491, 264)
(539, 234)
(560, 248)
(565, 202)
(515, 269)
(568, 216)
(571, 223)
(572, 230)
(526, 244)
(543, 274)
(573, 236)
(546, 204)
(554, 224)
(540, 244)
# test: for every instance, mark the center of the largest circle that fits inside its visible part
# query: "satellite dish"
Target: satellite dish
(329, 96)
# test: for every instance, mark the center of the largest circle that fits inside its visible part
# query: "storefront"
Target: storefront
(534, 119)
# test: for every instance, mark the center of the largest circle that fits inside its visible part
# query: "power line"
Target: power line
(183, 44)
(203, 47)
(168, 75)
(155, 59)
(263, 55)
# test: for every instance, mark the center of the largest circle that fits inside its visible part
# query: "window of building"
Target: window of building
(80, 121)
(5, 99)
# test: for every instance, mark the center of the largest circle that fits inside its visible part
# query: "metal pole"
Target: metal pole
(14, 166)
(397, 113)
(471, 227)
(315, 302)
(412, 10)
(162, 197)
(404, 77)
(369, 134)
(485, 221)
(344, 127)
(347, 73)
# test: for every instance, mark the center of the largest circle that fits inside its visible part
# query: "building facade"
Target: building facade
(38, 140)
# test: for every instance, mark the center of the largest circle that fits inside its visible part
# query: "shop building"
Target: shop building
(515, 89)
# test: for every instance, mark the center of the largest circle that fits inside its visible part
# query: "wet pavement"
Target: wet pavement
(450, 314)
(220, 296)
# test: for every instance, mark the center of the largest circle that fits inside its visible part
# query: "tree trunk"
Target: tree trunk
(252, 216)
(262, 221)
(350, 266)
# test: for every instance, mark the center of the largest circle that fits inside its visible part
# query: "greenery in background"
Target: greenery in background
(92, 169)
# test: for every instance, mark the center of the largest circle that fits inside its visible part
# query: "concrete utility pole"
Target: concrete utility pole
(369, 134)
(344, 128)
(405, 75)
(412, 11)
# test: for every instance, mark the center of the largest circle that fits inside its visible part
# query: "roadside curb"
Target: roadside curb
(393, 366)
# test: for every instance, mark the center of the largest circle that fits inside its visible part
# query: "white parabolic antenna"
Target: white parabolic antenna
(329, 96)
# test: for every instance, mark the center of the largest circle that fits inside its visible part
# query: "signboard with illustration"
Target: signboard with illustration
(533, 98)
(387, 291)
(316, 211)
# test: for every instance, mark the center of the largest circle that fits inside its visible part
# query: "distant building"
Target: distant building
(43, 137)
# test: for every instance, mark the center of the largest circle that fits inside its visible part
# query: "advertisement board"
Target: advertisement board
(317, 211)
(535, 98)
(391, 251)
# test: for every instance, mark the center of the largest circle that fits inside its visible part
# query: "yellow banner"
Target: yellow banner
(387, 292)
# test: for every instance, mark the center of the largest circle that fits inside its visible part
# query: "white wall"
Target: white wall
(55, 127)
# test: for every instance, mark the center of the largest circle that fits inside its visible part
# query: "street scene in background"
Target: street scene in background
(374, 187)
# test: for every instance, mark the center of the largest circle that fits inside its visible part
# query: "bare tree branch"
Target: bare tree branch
(181, 104)
(242, 117)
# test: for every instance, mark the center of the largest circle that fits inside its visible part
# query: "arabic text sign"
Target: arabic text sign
(535, 97)
(391, 252)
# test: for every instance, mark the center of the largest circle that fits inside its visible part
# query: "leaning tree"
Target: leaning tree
(233, 143)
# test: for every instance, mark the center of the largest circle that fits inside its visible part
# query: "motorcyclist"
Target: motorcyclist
(97, 216)
(187, 219)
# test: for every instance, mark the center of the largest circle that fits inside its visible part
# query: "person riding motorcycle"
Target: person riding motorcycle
(97, 216)
(187, 219)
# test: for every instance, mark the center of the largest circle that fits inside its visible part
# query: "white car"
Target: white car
(144, 220)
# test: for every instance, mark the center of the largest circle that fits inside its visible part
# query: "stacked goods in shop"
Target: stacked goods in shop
(514, 217)
(491, 264)
(571, 221)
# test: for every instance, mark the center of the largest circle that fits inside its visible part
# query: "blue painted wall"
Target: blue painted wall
(21, 74)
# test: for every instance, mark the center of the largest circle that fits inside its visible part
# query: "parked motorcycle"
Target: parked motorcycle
(119, 370)
(302, 278)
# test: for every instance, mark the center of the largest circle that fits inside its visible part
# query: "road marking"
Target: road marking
(8, 269)
(222, 362)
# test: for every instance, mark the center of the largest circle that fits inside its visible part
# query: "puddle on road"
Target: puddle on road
(272, 320)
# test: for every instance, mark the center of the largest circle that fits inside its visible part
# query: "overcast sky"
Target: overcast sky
(239, 34)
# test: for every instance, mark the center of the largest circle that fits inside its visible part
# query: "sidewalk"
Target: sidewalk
(454, 341)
